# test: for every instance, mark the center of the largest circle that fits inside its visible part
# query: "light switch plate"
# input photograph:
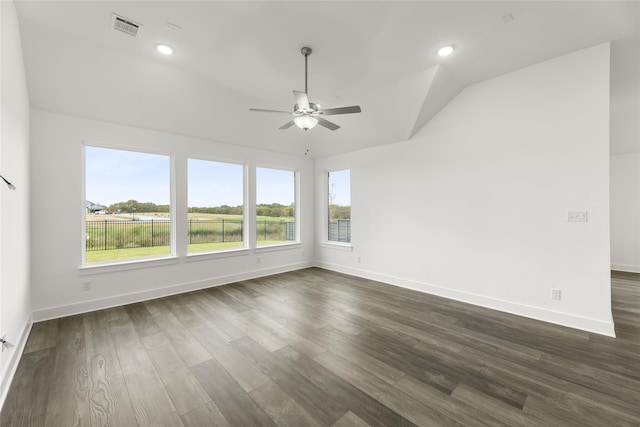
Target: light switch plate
(577, 216)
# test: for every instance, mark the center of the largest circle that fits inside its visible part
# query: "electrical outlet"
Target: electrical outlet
(577, 216)
(556, 294)
(258, 260)
(358, 260)
(86, 286)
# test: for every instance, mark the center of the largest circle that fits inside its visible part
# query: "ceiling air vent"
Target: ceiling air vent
(125, 25)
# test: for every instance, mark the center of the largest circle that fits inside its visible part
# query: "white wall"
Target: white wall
(15, 306)
(474, 207)
(625, 212)
(57, 180)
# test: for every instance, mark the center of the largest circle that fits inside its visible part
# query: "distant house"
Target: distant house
(93, 207)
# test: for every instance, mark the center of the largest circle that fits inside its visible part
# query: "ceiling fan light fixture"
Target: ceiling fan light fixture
(305, 122)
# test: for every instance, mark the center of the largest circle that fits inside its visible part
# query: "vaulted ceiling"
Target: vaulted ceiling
(230, 56)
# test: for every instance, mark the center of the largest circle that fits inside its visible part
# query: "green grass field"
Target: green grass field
(156, 251)
(119, 254)
(110, 238)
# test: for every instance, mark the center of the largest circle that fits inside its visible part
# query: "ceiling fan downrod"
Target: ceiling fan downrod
(306, 51)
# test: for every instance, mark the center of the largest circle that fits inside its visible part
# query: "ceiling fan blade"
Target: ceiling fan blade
(301, 99)
(341, 110)
(286, 125)
(259, 110)
(327, 123)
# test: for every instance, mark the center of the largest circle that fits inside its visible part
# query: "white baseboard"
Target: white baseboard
(14, 359)
(626, 268)
(564, 319)
(559, 318)
(117, 300)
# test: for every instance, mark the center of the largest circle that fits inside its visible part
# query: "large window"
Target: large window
(275, 206)
(339, 206)
(127, 202)
(216, 205)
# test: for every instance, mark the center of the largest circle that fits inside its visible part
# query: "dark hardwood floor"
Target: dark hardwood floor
(317, 348)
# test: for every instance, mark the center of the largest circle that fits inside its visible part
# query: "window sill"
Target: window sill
(133, 264)
(338, 246)
(203, 256)
(278, 247)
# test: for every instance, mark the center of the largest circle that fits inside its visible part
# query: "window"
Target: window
(127, 203)
(216, 206)
(339, 206)
(275, 206)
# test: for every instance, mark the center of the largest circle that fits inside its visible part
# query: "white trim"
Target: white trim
(583, 323)
(563, 319)
(171, 156)
(222, 253)
(118, 300)
(298, 206)
(278, 247)
(127, 264)
(296, 203)
(14, 360)
(337, 245)
(626, 268)
(325, 221)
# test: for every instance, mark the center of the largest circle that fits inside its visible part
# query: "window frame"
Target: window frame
(219, 253)
(127, 263)
(296, 202)
(347, 246)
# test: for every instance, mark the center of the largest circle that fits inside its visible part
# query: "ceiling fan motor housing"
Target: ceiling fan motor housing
(313, 109)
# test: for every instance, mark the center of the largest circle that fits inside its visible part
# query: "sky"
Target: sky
(214, 184)
(340, 187)
(275, 186)
(114, 176)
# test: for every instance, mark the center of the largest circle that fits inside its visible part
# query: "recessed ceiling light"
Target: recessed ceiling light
(164, 49)
(445, 51)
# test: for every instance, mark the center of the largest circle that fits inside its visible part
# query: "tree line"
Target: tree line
(339, 212)
(135, 206)
(264, 209)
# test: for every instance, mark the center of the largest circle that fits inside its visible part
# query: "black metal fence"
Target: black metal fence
(106, 235)
(215, 230)
(275, 231)
(340, 230)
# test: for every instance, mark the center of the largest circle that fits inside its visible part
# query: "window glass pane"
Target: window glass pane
(215, 200)
(275, 206)
(339, 206)
(127, 200)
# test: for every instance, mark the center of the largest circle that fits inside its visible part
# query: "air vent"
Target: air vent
(125, 25)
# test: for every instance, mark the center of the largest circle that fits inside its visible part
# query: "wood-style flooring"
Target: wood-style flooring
(317, 348)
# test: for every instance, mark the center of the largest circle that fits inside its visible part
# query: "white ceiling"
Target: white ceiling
(230, 56)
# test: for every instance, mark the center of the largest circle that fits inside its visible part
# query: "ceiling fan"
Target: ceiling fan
(306, 114)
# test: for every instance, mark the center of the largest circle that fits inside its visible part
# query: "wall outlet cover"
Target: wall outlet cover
(577, 216)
